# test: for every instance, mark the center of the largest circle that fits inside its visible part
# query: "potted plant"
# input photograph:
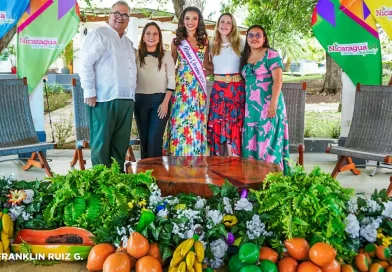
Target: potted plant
(10, 53)
(67, 56)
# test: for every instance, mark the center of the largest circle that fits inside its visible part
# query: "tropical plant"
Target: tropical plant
(311, 206)
(96, 199)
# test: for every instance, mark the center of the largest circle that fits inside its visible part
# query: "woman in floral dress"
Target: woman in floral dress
(187, 128)
(265, 135)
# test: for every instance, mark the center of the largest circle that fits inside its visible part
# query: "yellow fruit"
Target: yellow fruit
(5, 240)
(198, 267)
(1, 247)
(190, 259)
(182, 267)
(173, 269)
(11, 231)
(199, 248)
(187, 246)
(6, 221)
(176, 260)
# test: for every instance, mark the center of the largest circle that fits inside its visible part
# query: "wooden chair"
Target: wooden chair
(83, 130)
(294, 97)
(370, 135)
(17, 132)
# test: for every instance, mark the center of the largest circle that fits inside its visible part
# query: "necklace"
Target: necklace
(226, 45)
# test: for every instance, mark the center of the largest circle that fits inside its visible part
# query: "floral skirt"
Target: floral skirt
(226, 114)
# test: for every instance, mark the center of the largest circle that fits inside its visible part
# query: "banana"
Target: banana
(5, 241)
(190, 259)
(173, 268)
(176, 260)
(187, 246)
(6, 221)
(182, 267)
(11, 231)
(198, 267)
(1, 247)
(199, 248)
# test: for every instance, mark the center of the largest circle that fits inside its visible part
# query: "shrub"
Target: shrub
(63, 129)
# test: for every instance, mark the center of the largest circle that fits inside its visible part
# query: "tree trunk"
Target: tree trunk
(7, 38)
(333, 78)
(178, 7)
(288, 64)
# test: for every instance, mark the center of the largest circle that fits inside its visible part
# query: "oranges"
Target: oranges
(322, 254)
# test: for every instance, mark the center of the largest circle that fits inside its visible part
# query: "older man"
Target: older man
(108, 77)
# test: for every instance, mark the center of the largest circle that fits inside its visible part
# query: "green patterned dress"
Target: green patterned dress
(265, 139)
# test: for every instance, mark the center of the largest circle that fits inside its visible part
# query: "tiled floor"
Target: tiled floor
(59, 161)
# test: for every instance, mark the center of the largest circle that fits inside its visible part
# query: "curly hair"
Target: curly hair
(143, 47)
(181, 33)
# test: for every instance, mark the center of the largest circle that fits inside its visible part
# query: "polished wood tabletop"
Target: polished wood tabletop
(192, 174)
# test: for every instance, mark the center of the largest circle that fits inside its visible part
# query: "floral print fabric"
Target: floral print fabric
(226, 115)
(187, 126)
(265, 139)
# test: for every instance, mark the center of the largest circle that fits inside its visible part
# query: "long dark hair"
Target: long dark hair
(143, 47)
(246, 52)
(201, 34)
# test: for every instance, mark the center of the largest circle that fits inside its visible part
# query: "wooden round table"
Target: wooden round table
(191, 174)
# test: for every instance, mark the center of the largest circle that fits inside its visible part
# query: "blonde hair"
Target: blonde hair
(234, 37)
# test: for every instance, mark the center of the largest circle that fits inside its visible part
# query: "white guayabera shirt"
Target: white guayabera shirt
(108, 65)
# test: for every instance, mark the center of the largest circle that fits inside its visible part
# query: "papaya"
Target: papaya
(60, 242)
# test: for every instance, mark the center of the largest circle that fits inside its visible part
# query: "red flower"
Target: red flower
(188, 140)
(193, 93)
(198, 136)
(176, 142)
(186, 131)
(184, 98)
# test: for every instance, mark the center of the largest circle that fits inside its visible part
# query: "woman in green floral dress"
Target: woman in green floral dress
(265, 131)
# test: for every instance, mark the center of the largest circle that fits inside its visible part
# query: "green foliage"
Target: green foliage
(311, 205)
(95, 199)
(322, 125)
(33, 209)
(63, 129)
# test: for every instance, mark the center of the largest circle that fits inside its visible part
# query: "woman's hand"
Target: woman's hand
(162, 110)
(271, 111)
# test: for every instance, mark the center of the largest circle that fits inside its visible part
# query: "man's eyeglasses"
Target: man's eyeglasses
(257, 35)
(117, 15)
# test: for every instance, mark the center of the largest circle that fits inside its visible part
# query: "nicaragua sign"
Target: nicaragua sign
(10, 13)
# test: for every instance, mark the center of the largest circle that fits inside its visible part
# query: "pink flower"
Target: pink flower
(274, 65)
(263, 85)
(267, 127)
(270, 158)
(252, 144)
(272, 54)
(286, 132)
(263, 147)
(255, 96)
(264, 112)
(261, 70)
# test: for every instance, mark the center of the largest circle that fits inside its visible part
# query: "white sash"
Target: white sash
(190, 56)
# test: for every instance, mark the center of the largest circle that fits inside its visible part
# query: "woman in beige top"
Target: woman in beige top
(155, 84)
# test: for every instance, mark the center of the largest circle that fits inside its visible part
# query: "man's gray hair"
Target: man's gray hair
(122, 3)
